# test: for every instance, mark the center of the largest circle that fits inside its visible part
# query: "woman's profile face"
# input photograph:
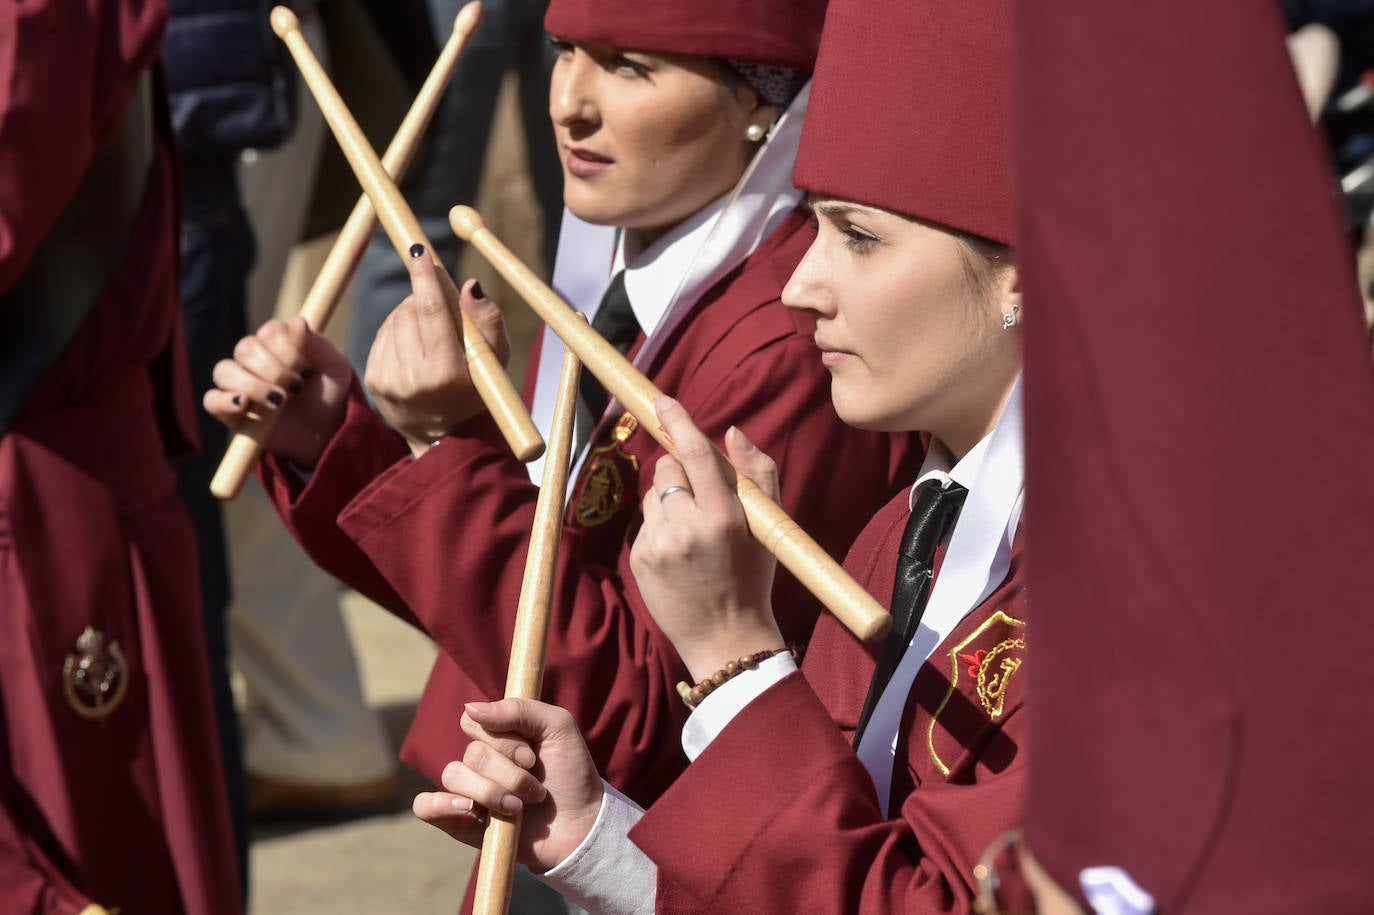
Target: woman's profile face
(910, 341)
(646, 139)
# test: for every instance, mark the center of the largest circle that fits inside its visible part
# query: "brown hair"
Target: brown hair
(984, 261)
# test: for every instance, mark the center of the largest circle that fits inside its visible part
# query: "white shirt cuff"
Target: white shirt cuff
(608, 874)
(729, 699)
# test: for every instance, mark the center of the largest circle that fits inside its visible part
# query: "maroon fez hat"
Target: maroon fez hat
(908, 111)
(1200, 443)
(781, 33)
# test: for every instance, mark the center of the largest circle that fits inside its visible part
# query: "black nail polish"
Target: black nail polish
(238, 400)
(275, 398)
(307, 373)
(477, 292)
(416, 250)
(296, 385)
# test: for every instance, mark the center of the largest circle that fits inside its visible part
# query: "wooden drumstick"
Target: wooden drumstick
(778, 533)
(343, 258)
(525, 678)
(488, 377)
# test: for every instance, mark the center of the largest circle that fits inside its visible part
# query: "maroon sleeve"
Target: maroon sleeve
(363, 449)
(778, 815)
(1200, 410)
(450, 533)
(67, 69)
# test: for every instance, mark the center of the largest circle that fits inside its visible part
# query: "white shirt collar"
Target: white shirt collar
(653, 273)
(937, 466)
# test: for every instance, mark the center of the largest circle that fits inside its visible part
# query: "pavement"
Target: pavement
(387, 862)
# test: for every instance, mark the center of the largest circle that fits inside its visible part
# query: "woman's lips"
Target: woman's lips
(584, 163)
(831, 356)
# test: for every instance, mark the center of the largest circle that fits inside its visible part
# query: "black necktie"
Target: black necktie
(615, 320)
(930, 521)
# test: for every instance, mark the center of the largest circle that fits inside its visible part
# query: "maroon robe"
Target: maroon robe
(779, 815)
(1197, 718)
(448, 533)
(130, 811)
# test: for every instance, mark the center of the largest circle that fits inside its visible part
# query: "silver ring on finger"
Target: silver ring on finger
(672, 489)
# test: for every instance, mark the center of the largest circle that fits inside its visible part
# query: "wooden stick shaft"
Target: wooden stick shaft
(779, 534)
(324, 294)
(525, 678)
(488, 377)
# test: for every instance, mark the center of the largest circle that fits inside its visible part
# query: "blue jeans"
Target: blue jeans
(511, 37)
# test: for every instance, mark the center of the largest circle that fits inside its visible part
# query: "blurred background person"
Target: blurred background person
(1331, 43)
(310, 743)
(313, 747)
(229, 90)
(511, 41)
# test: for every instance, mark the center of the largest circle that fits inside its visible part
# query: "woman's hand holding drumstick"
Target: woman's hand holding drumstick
(769, 524)
(706, 581)
(290, 375)
(416, 371)
(488, 376)
(560, 804)
(253, 431)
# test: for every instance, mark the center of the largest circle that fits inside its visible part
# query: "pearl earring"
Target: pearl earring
(755, 132)
(1010, 318)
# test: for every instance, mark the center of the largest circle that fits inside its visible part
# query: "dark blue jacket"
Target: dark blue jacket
(229, 78)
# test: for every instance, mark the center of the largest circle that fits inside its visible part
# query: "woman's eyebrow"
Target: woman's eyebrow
(837, 210)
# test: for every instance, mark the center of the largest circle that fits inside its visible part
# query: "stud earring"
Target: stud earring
(755, 132)
(1010, 318)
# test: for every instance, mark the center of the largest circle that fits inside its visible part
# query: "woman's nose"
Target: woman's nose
(808, 288)
(570, 95)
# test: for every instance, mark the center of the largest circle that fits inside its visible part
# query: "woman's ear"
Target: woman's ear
(758, 113)
(759, 116)
(1007, 295)
(764, 111)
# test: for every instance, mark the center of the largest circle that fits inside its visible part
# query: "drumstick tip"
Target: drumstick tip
(469, 17)
(874, 630)
(465, 221)
(284, 22)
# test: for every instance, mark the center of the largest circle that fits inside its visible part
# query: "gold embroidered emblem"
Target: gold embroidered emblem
(603, 487)
(994, 674)
(991, 670)
(95, 681)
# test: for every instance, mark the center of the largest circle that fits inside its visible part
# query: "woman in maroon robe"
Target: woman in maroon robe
(111, 790)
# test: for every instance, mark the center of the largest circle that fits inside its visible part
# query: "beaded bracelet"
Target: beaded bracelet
(692, 696)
